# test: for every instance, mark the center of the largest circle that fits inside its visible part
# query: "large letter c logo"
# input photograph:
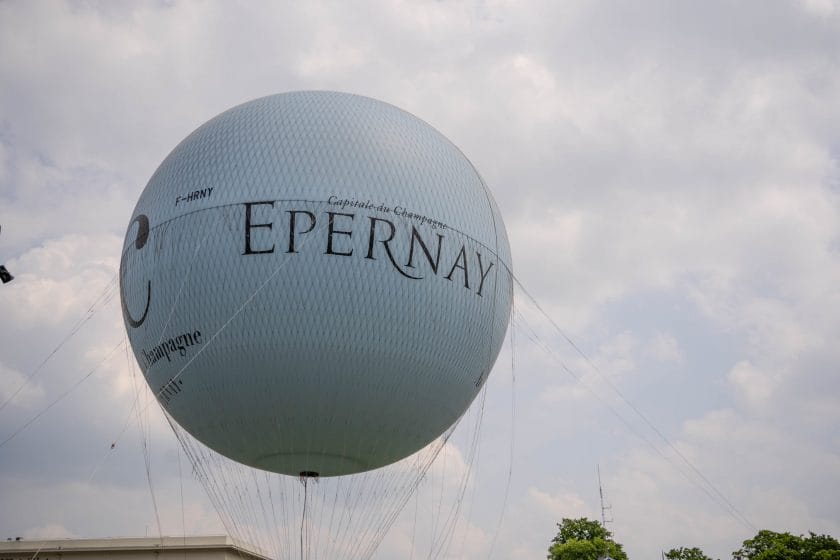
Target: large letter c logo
(142, 236)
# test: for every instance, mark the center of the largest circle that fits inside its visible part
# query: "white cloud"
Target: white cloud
(49, 531)
(755, 386)
(557, 506)
(56, 281)
(821, 7)
(665, 348)
(14, 384)
(733, 453)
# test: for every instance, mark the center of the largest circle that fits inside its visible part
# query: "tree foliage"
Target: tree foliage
(682, 553)
(769, 545)
(584, 539)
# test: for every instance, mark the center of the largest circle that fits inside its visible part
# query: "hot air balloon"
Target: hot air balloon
(315, 284)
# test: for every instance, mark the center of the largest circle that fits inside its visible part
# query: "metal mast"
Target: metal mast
(604, 507)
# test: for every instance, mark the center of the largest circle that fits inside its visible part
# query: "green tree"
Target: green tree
(820, 547)
(769, 545)
(584, 539)
(682, 553)
(581, 529)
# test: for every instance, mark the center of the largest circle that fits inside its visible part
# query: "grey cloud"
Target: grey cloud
(664, 170)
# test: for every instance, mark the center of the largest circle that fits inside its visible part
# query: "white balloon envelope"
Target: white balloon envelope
(316, 283)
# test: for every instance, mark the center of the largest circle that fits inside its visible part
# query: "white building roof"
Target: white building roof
(78, 548)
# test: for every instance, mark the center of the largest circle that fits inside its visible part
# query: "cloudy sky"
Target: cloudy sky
(668, 174)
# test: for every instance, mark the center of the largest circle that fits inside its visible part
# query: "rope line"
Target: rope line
(721, 499)
(104, 297)
(62, 396)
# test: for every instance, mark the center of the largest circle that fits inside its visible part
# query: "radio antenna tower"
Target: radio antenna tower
(604, 507)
